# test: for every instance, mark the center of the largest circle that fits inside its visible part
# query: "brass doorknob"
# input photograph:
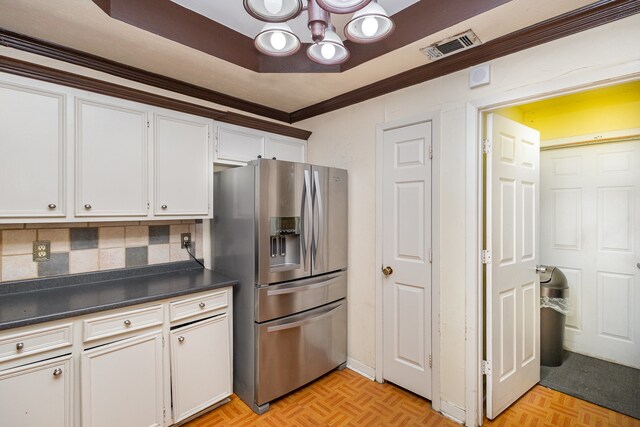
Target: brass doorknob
(387, 271)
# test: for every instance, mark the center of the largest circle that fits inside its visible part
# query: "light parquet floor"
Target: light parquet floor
(345, 398)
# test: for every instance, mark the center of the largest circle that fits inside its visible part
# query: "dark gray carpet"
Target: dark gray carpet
(597, 381)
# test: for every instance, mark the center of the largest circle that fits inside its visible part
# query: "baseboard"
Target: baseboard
(361, 368)
(453, 412)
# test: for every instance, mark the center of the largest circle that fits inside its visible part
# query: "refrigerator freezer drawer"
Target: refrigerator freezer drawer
(282, 300)
(298, 349)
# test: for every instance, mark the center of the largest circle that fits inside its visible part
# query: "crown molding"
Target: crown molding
(65, 78)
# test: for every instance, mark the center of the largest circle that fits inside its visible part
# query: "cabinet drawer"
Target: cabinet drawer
(122, 323)
(34, 342)
(203, 304)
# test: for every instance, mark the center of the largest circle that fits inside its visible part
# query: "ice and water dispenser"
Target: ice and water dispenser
(284, 242)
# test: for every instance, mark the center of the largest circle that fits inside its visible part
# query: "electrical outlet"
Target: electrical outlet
(185, 240)
(41, 250)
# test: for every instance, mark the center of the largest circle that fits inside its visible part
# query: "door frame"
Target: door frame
(435, 118)
(475, 219)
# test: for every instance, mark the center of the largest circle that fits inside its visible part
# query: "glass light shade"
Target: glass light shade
(369, 25)
(277, 40)
(342, 6)
(330, 51)
(273, 10)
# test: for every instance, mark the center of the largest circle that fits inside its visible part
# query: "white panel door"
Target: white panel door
(406, 198)
(200, 366)
(111, 163)
(39, 394)
(513, 287)
(182, 165)
(122, 383)
(32, 146)
(591, 230)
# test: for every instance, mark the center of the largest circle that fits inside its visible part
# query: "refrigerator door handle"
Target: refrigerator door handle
(317, 240)
(306, 209)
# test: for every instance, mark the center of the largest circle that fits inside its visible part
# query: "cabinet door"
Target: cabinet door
(37, 395)
(182, 165)
(32, 146)
(200, 365)
(238, 145)
(111, 175)
(289, 149)
(121, 383)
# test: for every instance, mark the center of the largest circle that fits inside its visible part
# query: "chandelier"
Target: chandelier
(369, 23)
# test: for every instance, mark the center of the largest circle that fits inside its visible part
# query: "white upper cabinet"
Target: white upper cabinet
(236, 145)
(285, 148)
(111, 159)
(32, 150)
(183, 165)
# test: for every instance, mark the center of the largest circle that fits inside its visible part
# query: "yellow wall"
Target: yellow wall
(599, 110)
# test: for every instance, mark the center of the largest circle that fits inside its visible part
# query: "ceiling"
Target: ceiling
(82, 25)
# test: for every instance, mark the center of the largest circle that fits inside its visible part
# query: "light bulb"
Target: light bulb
(278, 40)
(369, 26)
(328, 50)
(273, 6)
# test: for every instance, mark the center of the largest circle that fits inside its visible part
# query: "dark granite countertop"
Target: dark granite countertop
(41, 300)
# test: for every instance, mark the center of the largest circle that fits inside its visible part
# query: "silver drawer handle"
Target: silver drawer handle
(181, 339)
(20, 346)
(52, 206)
(302, 288)
(87, 206)
(201, 305)
(303, 321)
(127, 322)
(57, 372)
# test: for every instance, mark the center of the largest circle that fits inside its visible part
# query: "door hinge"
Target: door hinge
(486, 146)
(164, 414)
(430, 255)
(486, 256)
(430, 361)
(486, 368)
(163, 341)
(147, 205)
(147, 124)
(431, 151)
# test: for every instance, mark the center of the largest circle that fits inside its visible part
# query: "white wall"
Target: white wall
(346, 138)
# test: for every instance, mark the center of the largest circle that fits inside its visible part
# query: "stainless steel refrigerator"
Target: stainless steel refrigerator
(280, 228)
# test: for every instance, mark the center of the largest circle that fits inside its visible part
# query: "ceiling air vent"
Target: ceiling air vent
(451, 45)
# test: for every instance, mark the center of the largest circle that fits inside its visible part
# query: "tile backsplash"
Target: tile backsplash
(88, 247)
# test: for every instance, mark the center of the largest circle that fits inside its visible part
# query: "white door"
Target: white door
(111, 174)
(406, 240)
(38, 394)
(513, 287)
(591, 230)
(182, 165)
(200, 366)
(238, 145)
(32, 148)
(122, 383)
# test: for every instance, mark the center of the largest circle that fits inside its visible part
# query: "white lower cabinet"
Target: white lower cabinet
(121, 383)
(200, 365)
(38, 394)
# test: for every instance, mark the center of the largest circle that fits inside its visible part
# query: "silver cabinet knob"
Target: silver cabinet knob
(19, 346)
(57, 372)
(201, 305)
(180, 339)
(127, 322)
(164, 206)
(87, 206)
(52, 206)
